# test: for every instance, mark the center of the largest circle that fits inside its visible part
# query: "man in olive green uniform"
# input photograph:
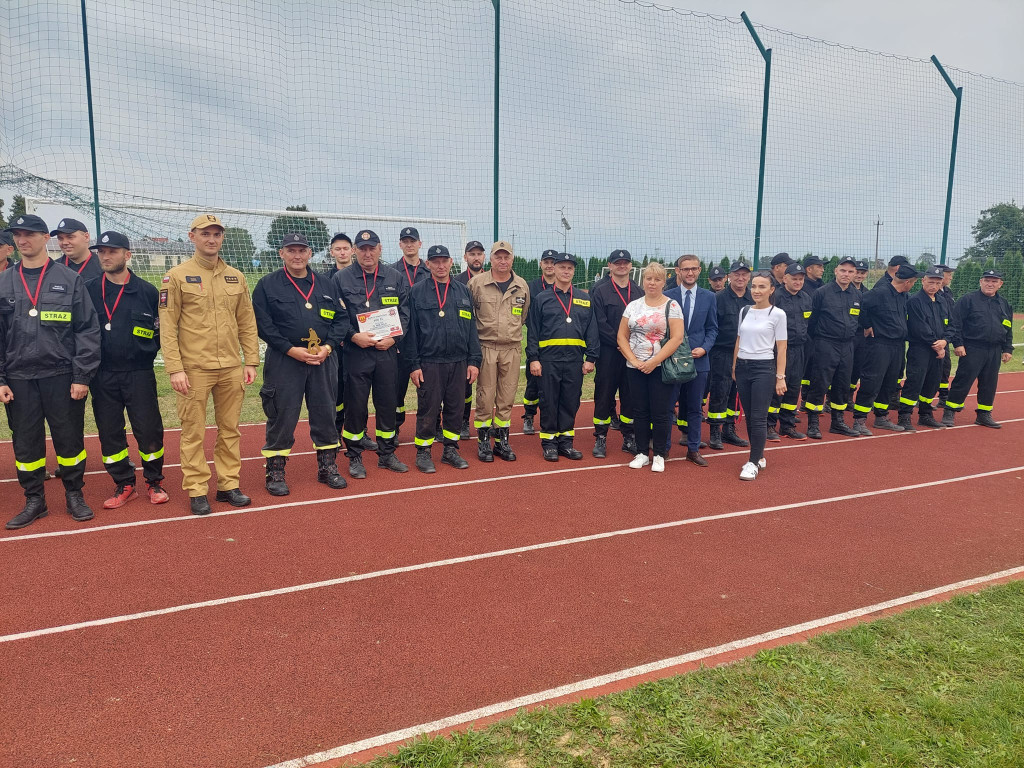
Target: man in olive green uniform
(205, 316)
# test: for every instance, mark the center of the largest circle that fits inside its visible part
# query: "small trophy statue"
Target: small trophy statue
(313, 345)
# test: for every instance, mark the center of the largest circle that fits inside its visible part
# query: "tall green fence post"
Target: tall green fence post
(92, 126)
(767, 54)
(497, 91)
(959, 93)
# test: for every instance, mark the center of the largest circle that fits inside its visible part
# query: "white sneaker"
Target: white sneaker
(659, 464)
(762, 463)
(749, 471)
(640, 460)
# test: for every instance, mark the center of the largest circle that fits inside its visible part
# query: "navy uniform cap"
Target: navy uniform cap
(550, 253)
(992, 273)
(66, 226)
(905, 272)
(811, 260)
(410, 232)
(28, 222)
(736, 266)
(946, 268)
(294, 238)
(6, 238)
(474, 245)
(367, 237)
(341, 236)
(781, 258)
(896, 261)
(796, 269)
(111, 239)
(848, 260)
(862, 266)
(620, 255)
(716, 273)
(437, 252)
(934, 271)
(563, 258)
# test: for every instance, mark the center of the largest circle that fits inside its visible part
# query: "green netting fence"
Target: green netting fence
(580, 125)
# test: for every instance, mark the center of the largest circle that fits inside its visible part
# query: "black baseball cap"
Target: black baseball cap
(849, 260)
(736, 266)
(796, 269)
(716, 273)
(905, 272)
(437, 252)
(619, 255)
(896, 261)
(111, 239)
(562, 258)
(946, 268)
(341, 236)
(366, 237)
(810, 260)
(474, 245)
(862, 266)
(550, 253)
(28, 222)
(67, 226)
(992, 273)
(6, 238)
(934, 271)
(295, 238)
(410, 232)
(781, 258)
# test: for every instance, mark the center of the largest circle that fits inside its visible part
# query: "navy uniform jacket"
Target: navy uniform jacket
(133, 340)
(388, 289)
(702, 330)
(927, 320)
(63, 338)
(798, 314)
(549, 337)
(728, 307)
(88, 270)
(981, 319)
(465, 277)
(413, 275)
(608, 309)
(835, 313)
(282, 319)
(884, 310)
(435, 339)
(536, 286)
(812, 286)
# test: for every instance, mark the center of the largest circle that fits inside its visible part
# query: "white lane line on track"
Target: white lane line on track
(458, 484)
(492, 555)
(626, 674)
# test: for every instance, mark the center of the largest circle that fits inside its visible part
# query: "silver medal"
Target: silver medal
(568, 319)
(308, 305)
(441, 313)
(107, 326)
(33, 312)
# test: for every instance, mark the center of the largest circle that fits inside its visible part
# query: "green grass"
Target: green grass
(942, 685)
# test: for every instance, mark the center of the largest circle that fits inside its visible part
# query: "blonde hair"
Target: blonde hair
(654, 269)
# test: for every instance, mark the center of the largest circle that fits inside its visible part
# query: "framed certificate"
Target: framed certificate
(380, 323)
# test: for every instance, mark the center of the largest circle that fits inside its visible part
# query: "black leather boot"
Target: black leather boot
(276, 485)
(502, 448)
(327, 469)
(35, 509)
(484, 452)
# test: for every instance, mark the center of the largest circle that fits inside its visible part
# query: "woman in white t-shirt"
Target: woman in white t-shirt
(759, 366)
(649, 332)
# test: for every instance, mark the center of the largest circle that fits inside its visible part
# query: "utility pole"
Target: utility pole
(878, 228)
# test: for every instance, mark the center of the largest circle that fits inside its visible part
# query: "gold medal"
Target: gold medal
(33, 312)
(441, 313)
(308, 305)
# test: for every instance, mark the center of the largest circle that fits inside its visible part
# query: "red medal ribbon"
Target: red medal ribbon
(629, 288)
(103, 293)
(366, 289)
(39, 285)
(440, 302)
(564, 308)
(405, 266)
(67, 262)
(312, 285)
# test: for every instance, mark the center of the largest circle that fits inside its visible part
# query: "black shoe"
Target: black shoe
(600, 447)
(550, 453)
(813, 426)
(629, 446)
(77, 507)
(616, 423)
(904, 421)
(792, 433)
(528, 426)
(199, 505)
(464, 433)
(715, 437)
(569, 452)
(388, 461)
(35, 509)
(928, 420)
(949, 418)
(985, 419)
(451, 457)
(276, 485)
(502, 449)
(234, 497)
(484, 452)
(355, 468)
(729, 436)
(694, 457)
(423, 461)
(839, 426)
(882, 422)
(327, 469)
(369, 445)
(773, 436)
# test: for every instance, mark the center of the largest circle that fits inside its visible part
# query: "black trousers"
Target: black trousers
(286, 383)
(561, 386)
(610, 378)
(723, 402)
(859, 353)
(370, 370)
(401, 386)
(880, 377)
(923, 371)
(947, 370)
(113, 393)
(755, 382)
(443, 384)
(784, 408)
(531, 397)
(49, 399)
(651, 400)
(981, 363)
(831, 362)
(339, 404)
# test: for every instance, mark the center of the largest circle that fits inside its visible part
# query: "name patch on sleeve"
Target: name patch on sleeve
(1007, 323)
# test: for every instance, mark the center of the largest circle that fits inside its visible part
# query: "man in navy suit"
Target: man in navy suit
(700, 319)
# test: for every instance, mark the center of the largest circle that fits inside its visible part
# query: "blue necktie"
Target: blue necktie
(686, 309)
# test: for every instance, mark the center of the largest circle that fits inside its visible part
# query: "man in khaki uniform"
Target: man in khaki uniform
(205, 315)
(501, 299)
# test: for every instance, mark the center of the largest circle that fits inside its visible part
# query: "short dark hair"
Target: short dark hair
(686, 257)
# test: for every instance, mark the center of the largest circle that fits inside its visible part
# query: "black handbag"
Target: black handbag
(679, 368)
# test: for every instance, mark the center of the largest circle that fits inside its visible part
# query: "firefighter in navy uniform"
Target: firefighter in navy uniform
(412, 269)
(127, 308)
(608, 301)
(531, 397)
(716, 282)
(859, 348)
(562, 345)
(982, 337)
(946, 297)
(474, 257)
(73, 237)
(927, 330)
(780, 262)
(883, 319)
(304, 324)
(443, 350)
(371, 363)
(6, 250)
(724, 399)
(49, 352)
(835, 320)
(814, 269)
(792, 300)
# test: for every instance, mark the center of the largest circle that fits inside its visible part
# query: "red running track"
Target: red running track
(259, 681)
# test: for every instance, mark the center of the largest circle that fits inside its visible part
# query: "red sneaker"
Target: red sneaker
(122, 496)
(157, 495)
